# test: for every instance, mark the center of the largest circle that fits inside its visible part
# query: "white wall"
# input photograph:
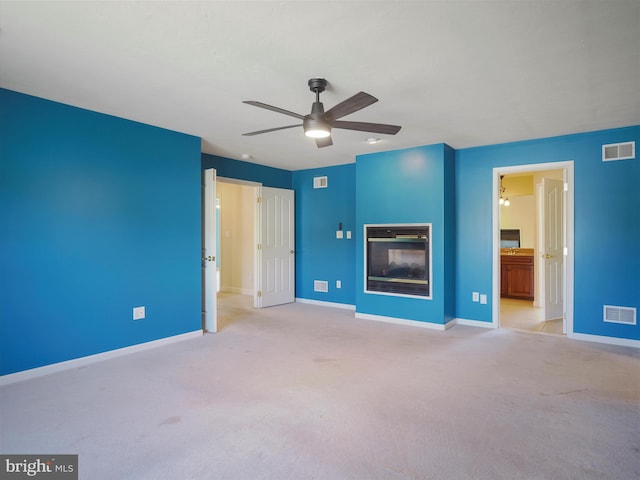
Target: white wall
(237, 211)
(521, 214)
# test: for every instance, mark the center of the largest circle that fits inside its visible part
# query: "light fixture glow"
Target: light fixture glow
(372, 140)
(503, 200)
(317, 132)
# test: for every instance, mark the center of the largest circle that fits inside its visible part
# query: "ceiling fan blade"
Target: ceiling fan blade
(250, 134)
(324, 142)
(274, 109)
(368, 127)
(350, 105)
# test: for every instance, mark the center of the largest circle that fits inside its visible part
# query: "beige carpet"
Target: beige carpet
(307, 392)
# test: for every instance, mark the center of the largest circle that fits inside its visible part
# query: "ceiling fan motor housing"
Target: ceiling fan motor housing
(316, 122)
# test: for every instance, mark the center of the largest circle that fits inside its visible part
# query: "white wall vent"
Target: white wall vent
(618, 151)
(320, 286)
(625, 315)
(320, 182)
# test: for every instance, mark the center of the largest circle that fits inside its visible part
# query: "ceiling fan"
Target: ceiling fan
(318, 123)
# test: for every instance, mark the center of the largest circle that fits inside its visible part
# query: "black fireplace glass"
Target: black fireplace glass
(398, 259)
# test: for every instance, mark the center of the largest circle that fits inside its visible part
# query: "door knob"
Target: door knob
(291, 251)
(547, 256)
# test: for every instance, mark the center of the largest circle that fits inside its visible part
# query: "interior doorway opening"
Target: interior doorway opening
(533, 281)
(237, 237)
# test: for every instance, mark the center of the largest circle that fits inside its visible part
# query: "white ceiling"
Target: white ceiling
(466, 73)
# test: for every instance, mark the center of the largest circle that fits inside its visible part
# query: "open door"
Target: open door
(557, 271)
(551, 250)
(209, 276)
(276, 249)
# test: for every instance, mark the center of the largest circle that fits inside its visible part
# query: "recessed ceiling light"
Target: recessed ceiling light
(372, 140)
(245, 156)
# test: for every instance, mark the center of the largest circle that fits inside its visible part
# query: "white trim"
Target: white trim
(98, 357)
(623, 342)
(237, 181)
(238, 291)
(474, 323)
(346, 306)
(404, 321)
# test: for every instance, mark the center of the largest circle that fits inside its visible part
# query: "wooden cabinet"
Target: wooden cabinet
(516, 276)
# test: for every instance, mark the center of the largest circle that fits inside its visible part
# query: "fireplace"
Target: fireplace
(398, 259)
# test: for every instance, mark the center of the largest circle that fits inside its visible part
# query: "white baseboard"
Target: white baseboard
(346, 306)
(404, 321)
(82, 361)
(474, 323)
(237, 290)
(623, 342)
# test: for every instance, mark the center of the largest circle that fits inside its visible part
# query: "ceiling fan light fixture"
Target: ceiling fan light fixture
(316, 127)
(317, 133)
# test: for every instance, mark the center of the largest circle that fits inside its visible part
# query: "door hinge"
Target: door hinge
(259, 293)
(259, 246)
(259, 199)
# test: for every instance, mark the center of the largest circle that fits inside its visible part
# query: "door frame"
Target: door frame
(568, 214)
(208, 251)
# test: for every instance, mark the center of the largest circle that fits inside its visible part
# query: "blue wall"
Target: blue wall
(319, 254)
(98, 215)
(607, 224)
(237, 169)
(408, 186)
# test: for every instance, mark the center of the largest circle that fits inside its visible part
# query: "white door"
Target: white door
(209, 276)
(552, 247)
(277, 247)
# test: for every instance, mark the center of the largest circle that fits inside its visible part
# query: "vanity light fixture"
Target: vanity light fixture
(503, 200)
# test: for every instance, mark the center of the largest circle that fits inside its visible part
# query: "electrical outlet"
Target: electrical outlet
(348, 234)
(138, 313)
(483, 299)
(476, 296)
(338, 284)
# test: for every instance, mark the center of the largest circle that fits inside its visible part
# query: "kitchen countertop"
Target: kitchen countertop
(519, 252)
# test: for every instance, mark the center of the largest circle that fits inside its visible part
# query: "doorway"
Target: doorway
(252, 235)
(543, 265)
(237, 239)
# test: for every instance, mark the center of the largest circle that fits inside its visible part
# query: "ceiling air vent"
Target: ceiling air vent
(618, 151)
(624, 315)
(320, 182)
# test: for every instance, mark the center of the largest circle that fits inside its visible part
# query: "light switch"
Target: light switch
(138, 313)
(348, 234)
(483, 299)
(339, 233)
